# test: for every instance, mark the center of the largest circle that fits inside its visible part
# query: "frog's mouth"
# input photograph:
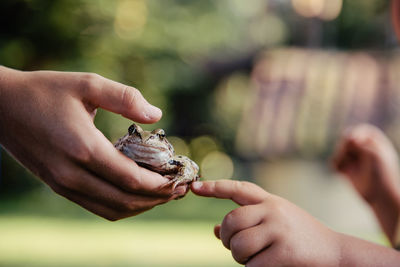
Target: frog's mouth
(147, 154)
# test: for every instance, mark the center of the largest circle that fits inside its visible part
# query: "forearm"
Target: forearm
(7, 76)
(3, 84)
(358, 252)
(387, 210)
(4, 73)
(10, 81)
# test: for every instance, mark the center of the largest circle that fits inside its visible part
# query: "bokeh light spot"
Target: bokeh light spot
(324, 9)
(201, 146)
(180, 146)
(268, 30)
(242, 8)
(229, 99)
(130, 18)
(216, 165)
(16, 53)
(308, 8)
(331, 9)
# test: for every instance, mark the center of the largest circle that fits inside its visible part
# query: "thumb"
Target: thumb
(119, 98)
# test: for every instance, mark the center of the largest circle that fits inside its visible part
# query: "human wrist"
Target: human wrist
(395, 238)
(386, 200)
(346, 258)
(351, 251)
(10, 81)
(387, 210)
(3, 81)
(358, 252)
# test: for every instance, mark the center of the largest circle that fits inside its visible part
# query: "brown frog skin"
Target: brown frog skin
(151, 150)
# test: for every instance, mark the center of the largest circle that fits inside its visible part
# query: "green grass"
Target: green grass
(35, 241)
(43, 229)
(43, 202)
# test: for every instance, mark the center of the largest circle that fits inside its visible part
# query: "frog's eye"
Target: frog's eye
(161, 133)
(132, 129)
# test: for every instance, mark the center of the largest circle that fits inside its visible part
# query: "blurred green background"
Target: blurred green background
(200, 62)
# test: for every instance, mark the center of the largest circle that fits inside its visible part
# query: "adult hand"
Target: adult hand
(46, 123)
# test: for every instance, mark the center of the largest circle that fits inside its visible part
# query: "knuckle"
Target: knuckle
(237, 248)
(235, 214)
(220, 185)
(280, 210)
(129, 205)
(90, 81)
(246, 185)
(130, 97)
(80, 152)
(132, 182)
(66, 181)
(229, 218)
(238, 186)
(238, 258)
(216, 186)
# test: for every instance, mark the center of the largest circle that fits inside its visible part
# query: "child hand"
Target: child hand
(368, 159)
(268, 230)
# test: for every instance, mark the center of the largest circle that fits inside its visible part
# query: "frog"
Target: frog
(152, 150)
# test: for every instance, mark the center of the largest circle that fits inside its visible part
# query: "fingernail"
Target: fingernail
(180, 191)
(197, 185)
(152, 112)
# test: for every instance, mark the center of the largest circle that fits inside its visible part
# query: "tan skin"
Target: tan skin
(47, 125)
(368, 159)
(267, 230)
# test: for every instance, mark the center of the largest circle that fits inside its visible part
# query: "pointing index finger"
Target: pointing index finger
(243, 193)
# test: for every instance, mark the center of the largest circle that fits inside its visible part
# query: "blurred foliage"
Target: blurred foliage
(190, 58)
(364, 24)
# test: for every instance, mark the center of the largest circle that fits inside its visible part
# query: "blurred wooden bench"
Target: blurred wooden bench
(301, 100)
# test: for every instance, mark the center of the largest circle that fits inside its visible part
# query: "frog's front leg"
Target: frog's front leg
(187, 171)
